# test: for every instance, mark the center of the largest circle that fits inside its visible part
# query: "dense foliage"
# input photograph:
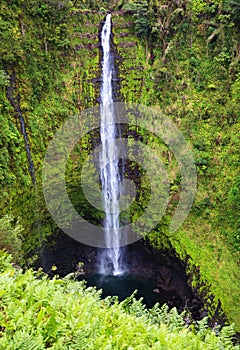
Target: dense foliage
(38, 313)
(180, 57)
(192, 75)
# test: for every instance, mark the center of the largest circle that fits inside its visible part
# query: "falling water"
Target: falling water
(110, 259)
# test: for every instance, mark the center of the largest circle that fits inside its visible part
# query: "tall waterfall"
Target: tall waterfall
(110, 258)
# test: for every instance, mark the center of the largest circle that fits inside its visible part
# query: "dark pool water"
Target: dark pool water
(123, 286)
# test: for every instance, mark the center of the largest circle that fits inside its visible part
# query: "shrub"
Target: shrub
(38, 313)
(11, 235)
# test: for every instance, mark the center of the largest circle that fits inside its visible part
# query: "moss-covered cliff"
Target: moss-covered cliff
(181, 58)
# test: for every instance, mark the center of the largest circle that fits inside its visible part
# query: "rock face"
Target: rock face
(131, 81)
(159, 276)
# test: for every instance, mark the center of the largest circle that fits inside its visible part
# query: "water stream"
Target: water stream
(15, 103)
(110, 258)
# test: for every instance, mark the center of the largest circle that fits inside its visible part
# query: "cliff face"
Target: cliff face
(56, 69)
(184, 63)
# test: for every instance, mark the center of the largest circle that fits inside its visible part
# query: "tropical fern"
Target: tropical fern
(37, 313)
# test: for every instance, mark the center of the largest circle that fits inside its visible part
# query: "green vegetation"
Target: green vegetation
(10, 235)
(192, 76)
(38, 313)
(179, 57)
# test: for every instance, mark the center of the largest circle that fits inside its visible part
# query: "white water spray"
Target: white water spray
(110, 259)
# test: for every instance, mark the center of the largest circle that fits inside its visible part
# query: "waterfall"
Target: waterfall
(110, 258)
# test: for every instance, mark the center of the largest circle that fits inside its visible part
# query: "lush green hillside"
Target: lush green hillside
(181, 58)
(38, 313)
(194, 68)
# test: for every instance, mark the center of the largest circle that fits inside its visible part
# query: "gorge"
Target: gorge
(115, 269)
